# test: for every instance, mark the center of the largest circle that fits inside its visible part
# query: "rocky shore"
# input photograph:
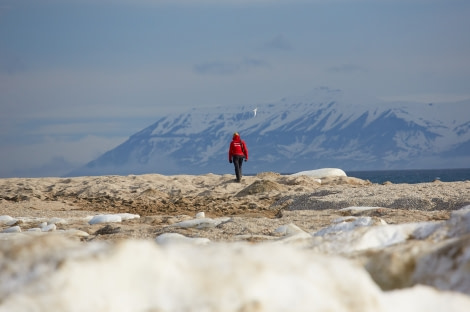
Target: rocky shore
(259, 203)
(387, 229)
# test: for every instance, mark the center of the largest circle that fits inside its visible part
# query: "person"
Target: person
(237, 153)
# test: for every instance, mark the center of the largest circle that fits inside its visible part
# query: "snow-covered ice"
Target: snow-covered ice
(107, 218)
(322, 173)
(12, 229)
(170, 238)
(292, 233)
(7, 220)
(345, 224)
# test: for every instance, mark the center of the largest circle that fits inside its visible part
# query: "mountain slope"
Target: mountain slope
(324, 129)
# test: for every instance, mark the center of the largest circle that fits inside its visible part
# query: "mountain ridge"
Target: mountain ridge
(324, 129)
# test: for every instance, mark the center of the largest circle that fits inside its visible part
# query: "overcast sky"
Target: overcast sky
(78, 77)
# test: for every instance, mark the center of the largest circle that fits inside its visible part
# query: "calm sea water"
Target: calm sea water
(412, 176)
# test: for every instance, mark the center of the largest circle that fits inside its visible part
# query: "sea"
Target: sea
(412, 176)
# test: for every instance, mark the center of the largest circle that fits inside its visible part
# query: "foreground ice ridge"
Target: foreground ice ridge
(337, 268)
(141, 276)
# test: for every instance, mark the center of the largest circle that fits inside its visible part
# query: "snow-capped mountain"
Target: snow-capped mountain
(327, 128)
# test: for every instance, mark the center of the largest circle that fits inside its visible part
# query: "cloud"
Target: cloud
(428, 98)
(82, 93)
(10, 63)
(155, 3)
(53, 155)
(67, 127)
(347, 69)
(279, 42)
(216, 68)
(56, 167)
(252, 63)
(229, 68)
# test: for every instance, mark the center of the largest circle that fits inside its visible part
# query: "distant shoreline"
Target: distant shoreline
(412, 175)
(409, 176)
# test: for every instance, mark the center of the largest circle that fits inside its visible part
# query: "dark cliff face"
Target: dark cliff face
(295, 136)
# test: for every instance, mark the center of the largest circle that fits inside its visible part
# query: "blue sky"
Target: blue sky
(78, 77)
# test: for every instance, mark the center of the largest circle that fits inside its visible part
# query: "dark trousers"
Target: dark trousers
(238, 162)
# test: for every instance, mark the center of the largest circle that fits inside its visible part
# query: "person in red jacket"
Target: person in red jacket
(236, 153)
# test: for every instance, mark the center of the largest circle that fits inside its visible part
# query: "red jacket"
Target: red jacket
(237, 147)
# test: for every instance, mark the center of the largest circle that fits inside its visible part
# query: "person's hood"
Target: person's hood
(236, 136)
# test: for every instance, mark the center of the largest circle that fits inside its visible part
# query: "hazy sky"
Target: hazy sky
(78, 77)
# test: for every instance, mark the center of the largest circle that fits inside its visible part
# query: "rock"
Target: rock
(108, 229)
(261, 186)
